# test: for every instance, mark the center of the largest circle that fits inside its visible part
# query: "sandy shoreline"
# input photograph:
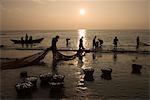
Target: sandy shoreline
(125, 84)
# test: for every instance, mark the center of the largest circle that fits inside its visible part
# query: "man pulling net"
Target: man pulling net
(59, 56)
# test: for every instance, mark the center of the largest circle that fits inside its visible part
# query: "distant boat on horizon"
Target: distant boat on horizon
(27, 42)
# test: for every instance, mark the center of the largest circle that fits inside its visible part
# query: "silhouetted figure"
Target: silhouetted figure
(94, 42)
(67, 41)
(30, 39)
(22, 42)
(26, 38)
(93, 55)
(115, 42)
(81, 43)
(53, 46)
(100, 42)
(137, 42)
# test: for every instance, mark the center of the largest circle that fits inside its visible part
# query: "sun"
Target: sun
(82, 11)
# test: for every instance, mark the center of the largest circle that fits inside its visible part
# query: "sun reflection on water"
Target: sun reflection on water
(82, 32)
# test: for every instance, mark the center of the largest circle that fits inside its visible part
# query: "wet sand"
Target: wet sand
(123, 85)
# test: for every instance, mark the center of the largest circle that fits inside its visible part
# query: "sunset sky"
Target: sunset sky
(67, 14)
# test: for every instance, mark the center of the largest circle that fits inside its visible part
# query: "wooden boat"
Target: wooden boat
(25, 61)
(27, 42)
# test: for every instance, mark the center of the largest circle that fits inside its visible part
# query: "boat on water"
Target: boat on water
(27, 41)
(25, 61)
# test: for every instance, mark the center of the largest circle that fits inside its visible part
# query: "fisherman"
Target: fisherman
(22, 40)
(94, 42)
(81, 43)
(67, 41)
(30, 39)
(137, 42)
(115, 42)
(53, 46)
(26, 38)
(100, 42)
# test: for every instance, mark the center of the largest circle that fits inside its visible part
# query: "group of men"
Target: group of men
(95, 43)
(98, 43)
(27, 39)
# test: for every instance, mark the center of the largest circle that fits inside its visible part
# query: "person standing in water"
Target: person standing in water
(67, 41)
(94, 42)
(137, 42)
(54, 46)
(30, 39)
(115, 42)
(26, 38)
(81, 43)
(100, 42)
(22, 41)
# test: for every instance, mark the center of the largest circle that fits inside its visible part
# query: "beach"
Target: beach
(74, 50)
(122, 85)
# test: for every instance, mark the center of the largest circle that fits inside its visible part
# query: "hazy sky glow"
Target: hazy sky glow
(65, 14)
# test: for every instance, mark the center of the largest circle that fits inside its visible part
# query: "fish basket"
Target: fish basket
(32, 79)
(45, 78)
(106, 71)
(136, 68)
(88, 74)
(56, 85)
(24, 88)
(88, 71)
(58, 78)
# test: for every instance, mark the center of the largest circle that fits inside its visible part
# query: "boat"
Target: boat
(27, 42)
(25, 61)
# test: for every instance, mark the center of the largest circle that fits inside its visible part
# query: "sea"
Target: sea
(123, 85)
